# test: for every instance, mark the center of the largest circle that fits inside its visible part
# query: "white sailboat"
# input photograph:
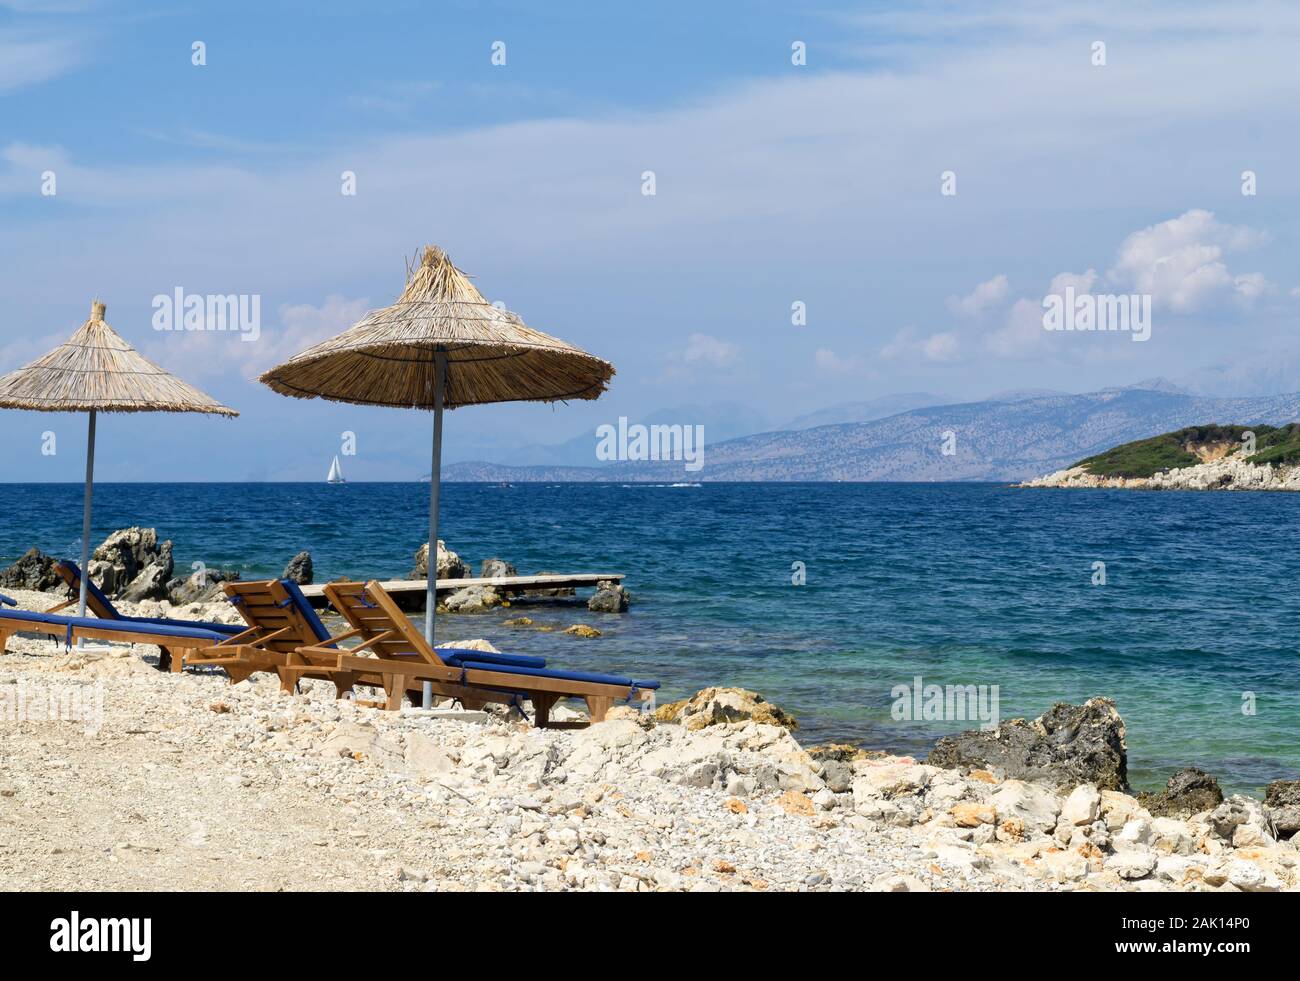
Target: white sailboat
(336, 473)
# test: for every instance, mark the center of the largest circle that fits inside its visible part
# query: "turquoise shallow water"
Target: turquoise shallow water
(960, 583)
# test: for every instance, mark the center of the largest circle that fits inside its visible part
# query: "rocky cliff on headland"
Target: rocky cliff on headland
(1210, 457)
(1228, 474)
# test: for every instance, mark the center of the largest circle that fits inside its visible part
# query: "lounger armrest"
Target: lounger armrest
(243, 637)
(377, 638)
(260, 639)
(6, 601)
(347, 636)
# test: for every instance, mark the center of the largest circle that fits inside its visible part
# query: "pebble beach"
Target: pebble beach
(188, 782)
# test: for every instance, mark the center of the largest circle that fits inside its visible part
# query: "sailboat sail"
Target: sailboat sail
(336, 473)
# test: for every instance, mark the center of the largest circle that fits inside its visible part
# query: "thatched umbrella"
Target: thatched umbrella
(96, 371)
(441, 345)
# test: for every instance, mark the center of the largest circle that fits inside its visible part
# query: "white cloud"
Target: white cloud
(1081, 282)
(709, 351)
(703, 352)
(196, 354)
(940, 347)
(984, 295)
(30, 59)
(1023, 335)
(830, 363)
(910, 343)
(1180, 262)
(1251, 286)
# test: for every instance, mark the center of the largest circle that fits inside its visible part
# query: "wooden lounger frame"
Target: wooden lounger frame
(178, 653)
(402, 661)
(278, 628)
(171, 655)
(393, 655)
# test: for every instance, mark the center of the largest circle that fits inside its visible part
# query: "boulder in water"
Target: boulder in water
(450, 565)
(131, 560)
(299, 569)
(202, 586)
(1189, 791)
(472, 599)
(610, 597)
(34, 571)
(151, 582)
(495, 569)
(477, 644)
(1064, 747)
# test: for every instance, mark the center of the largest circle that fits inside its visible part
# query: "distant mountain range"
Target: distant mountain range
(1012, 438)
(721, 421)
(878, 408)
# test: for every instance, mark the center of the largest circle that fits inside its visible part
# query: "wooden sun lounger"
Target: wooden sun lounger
(402, 660)
(283, 621)
(180, 641)
(172, 655)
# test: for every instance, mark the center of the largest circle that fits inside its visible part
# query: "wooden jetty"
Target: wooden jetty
(410, 593)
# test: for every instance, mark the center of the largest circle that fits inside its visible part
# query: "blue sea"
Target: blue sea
(977, 584)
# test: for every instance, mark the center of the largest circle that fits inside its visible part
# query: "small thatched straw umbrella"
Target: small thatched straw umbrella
(96, 371)
(441, 345)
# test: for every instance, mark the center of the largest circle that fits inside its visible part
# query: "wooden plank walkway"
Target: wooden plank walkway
(410, 593)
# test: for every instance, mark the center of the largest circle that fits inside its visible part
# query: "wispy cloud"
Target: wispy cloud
(29, 58)
(395, 97)
(987, 294)
(702, 353)
(828, 362)
(912, 343)
(297, 326)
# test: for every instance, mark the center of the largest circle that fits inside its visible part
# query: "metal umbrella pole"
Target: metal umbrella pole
(435, 485)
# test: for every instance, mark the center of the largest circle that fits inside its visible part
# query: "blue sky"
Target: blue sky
(775, 184)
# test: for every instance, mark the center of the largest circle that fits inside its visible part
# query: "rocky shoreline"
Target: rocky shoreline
(132, 564)
(1231, 473)
(188, 782)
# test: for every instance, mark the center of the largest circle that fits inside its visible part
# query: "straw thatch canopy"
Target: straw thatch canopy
(98, 371)
(492, 355)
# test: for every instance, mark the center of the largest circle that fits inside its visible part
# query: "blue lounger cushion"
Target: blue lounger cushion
(192, 631)
(304, 606)
(599, 679)
(6, 601)
(457, 656)
(230, 629)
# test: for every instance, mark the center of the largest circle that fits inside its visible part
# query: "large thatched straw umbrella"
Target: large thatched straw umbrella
(441, 345)
(96, 371)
